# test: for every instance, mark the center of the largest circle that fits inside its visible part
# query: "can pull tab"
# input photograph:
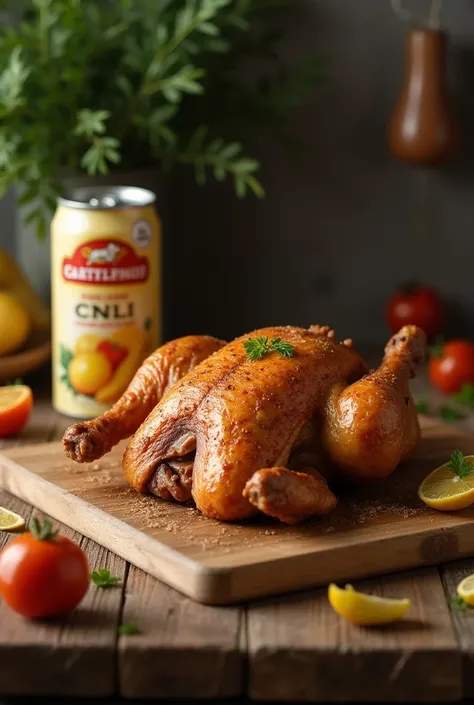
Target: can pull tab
(108, 201)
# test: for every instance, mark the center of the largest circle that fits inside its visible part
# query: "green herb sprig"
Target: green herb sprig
(258, 347)
(459, 465)
(102, 578)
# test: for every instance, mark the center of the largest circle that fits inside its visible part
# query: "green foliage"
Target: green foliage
(138, 83)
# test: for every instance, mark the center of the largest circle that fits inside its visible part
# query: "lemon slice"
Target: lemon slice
(10, 521)
(465, 589)
(446, 491)
(365, 610)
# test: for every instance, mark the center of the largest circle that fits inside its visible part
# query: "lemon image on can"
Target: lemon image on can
(89, 371)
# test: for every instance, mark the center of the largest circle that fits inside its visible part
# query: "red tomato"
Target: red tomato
(43, 577)
(113, 352)
(453, 367)
(420, 306)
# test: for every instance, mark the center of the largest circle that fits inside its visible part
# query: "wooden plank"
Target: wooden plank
(183, 650)
(463, 622)
(376, 529)
(75, 656)
(300, 650)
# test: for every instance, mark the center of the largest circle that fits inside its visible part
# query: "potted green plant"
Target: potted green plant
(91, 88)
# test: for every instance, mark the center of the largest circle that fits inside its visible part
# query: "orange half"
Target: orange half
(16, 402)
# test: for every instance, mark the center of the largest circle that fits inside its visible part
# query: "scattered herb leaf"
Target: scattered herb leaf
(449, 413)
(459, 465)
(422, 406)
(457, 603)
(466, 395)
(42, 531)
(129, 628)
(103, 579)
(257, 347)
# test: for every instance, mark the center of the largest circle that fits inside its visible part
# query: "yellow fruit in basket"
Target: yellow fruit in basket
(14, 324)
(87, 343)
(14, 281)
(88, 372)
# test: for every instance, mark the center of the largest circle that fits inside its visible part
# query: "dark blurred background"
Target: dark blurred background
(342, 223)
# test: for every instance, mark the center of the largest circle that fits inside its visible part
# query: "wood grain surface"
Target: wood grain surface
(375, 529)
(300, 649)
(291, 647)
(185, 648)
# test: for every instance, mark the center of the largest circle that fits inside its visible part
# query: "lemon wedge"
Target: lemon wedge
(365, 610)
(446, 491)
(465, 590)
(10, 521)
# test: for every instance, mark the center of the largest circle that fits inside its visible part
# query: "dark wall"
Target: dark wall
(342, 225)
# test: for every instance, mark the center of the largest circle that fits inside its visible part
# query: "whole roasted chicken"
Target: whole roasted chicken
(241, 436)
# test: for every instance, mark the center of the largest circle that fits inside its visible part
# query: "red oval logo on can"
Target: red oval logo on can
(105, 262)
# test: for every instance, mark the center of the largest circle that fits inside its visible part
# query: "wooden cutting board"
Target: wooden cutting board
(376, 529)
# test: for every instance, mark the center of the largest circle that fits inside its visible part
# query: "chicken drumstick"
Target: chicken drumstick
(370, 426)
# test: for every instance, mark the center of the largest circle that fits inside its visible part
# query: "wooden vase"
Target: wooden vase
(423, 129)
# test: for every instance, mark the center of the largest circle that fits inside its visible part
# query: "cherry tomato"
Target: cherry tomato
(43, 574)
(419, 306)
(453, 366)
(113, 352)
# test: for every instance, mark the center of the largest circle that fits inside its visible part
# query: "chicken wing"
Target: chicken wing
(90, 440)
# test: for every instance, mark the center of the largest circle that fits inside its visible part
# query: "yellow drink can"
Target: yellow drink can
(106, 294)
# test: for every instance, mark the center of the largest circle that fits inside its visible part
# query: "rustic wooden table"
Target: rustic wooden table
(288, 648)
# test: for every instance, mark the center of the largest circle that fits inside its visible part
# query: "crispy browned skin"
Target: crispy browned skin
(89, 440)
(289, 496)
(372, 425)
(240, 416)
